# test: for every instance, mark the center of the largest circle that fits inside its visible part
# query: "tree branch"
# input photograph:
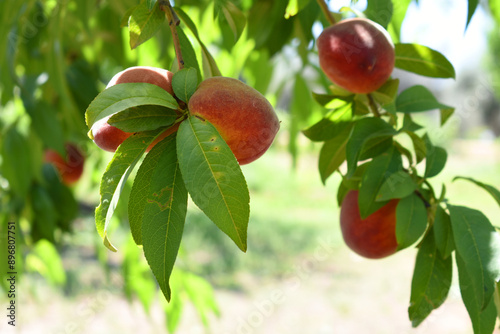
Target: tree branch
(173, 22)
(373, 105)
(326, 11)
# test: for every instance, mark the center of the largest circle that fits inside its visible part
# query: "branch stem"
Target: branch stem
(327, 12)
(373, 105)
(173, 22)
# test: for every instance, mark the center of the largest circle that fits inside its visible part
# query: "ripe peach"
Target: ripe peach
(71, 167)
(108, 137)
(242, 115)
(373, 237)
(357, 54)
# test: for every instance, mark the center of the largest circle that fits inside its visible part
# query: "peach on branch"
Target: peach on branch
(243, 117)
(356, 54)
(373, 237)
(70, 167)
(109, 137)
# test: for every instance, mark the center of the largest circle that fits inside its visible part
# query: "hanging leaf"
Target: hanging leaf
(494, 192)
(411, 220)
(416, 99)
(164, 213)
(332, 154)
(431, 281)
(295, 6)
(188, 53)
(213, 178)
(483, 318)
(435, 159)
(210, 68)
(477, 245)
(119, 168)
(443, 233)
(422, 60)
(144, 23)
(472, 6)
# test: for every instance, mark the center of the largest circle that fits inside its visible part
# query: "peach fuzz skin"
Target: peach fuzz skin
(373, 237)
(356, 54)
(242, 115)
(108, 137)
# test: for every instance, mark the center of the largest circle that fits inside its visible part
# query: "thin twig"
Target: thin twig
(326, 11)
(373, 105)
(173, 22)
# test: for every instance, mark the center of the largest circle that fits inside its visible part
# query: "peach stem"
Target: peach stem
(173, 22)
(326, 11)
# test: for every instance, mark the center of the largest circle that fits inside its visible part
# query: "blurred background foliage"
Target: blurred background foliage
(57, 55)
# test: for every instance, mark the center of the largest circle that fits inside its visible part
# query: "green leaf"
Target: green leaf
(295, 6)
(483, 318)
(409, 124)
(143, 118)
(364, 130)
(418, 145)
(398, 16)
(332, 154)
(119, 168)
(201, 295)
(126, 17)
(210, 68)
(16, 167)
(45, 122)
(144, 23)
(151, 4)
(422, 60)
(379, 11)
(435, 159)
(328, 127)
(431, 281)
(416, 99)
(127, 95)
(472, 6)
(477, 244)
(443, 233)
(188, 53)
(445, 114)
(213, 178)
(373, 178)
(387, 93)
(411, 220)
(44, 212)
(235, 19)
(164, 213)
(139, 194)
(494, 192)
(44, 258)
(184, 83)
(397, 185)
(67, 207)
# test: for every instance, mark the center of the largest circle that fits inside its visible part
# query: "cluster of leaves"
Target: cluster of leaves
(363, 138)
(194, 159)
